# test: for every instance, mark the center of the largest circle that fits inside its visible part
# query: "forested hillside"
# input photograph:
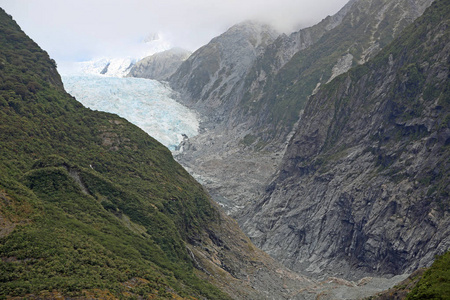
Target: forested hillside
(89, 203)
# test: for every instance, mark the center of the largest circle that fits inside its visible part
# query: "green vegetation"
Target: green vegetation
(431, 283)
(89, 203)
(435, 283)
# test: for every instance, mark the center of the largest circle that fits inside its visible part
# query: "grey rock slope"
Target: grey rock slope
(159, 66)
(211, 81)
(364, 183)
(252, 107)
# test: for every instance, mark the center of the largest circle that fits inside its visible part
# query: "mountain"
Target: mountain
(159, 66)
(281, 51)
(363, 187)
(251, 121)
(92, 207)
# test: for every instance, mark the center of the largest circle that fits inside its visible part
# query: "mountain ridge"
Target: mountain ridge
(93, 207)
(359, 35)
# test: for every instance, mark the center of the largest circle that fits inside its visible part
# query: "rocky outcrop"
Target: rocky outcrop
(364, 183)
(159, 66)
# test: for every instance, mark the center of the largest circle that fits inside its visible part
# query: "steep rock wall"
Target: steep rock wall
(363, 187)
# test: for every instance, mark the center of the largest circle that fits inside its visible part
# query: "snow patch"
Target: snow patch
(117, 66)
(111, 67)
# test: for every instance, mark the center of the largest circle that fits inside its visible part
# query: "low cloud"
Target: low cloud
(83, 29)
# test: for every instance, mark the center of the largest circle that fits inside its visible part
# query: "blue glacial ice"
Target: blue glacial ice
(145, 103)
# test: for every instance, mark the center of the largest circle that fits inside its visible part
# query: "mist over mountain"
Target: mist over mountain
(84, 30)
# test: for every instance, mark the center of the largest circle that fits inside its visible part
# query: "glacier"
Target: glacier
(144, 102)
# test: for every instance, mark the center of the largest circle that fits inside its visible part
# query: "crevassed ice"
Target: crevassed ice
(145, 103)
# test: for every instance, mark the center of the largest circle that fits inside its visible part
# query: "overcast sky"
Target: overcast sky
(77, 30)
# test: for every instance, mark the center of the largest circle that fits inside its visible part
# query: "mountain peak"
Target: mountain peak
(214, 71)
(161, 65)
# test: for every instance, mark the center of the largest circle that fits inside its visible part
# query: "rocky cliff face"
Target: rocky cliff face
(274, 100)
(364, 183)
(252, 120)
(159, 66)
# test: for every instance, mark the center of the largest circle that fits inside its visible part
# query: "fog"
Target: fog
(84, 29)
